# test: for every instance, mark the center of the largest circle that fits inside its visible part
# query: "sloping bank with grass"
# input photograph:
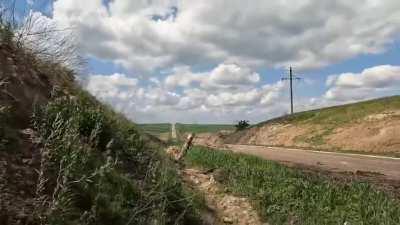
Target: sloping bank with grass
(374, 124)
(67, 159)
(288, 196)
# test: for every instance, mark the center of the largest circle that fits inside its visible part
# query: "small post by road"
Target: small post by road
(188, 144)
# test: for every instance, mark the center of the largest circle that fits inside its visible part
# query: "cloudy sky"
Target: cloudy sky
(218, 61)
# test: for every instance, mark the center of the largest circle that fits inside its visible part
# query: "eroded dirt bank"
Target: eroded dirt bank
(227, 208)
(377, 133)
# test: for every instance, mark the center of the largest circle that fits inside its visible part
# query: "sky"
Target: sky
(220, 61)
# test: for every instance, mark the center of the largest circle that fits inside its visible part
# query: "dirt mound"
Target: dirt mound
(375, 137)
(210, 139)
(370, 127)
(25, 82)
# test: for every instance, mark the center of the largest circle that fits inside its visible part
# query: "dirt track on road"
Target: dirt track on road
(173, 131)
(377, 166)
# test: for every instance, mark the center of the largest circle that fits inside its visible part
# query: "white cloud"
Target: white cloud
(232, 74)
(224, 76)
(304, 34)
(155, 102)
(197, 103)
(176, 36)
(371, 82)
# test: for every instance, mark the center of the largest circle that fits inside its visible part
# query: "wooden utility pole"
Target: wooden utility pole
(291, 78)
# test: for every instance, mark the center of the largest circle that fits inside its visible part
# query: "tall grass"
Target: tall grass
(96, 169)
(287, 196)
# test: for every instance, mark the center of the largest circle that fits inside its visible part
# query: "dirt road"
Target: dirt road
(331, 161)
(173, 131)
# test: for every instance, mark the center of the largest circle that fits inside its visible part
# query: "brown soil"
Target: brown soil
(379, 136)
(25, 82)
(18, 178)
(209, 139)
(227, 208)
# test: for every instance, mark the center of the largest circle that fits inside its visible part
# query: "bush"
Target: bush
(242, 124)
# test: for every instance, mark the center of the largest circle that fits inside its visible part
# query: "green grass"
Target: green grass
(155, 128)
(339, 115)
(202, 128)
(288, 196)
(100, 171)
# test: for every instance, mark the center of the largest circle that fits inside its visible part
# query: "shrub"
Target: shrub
(242, 124)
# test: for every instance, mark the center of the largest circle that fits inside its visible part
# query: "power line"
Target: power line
(291, 78)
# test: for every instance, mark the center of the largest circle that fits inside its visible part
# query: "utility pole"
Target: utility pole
(291, 78)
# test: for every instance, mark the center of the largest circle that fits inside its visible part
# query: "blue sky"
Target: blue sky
(221, 61)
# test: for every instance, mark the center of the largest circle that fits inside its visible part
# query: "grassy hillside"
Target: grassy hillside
(339, 115)
(367, 127)
(67, 159)
(288, 196)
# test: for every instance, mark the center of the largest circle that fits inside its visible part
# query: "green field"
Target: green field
(343, 114)
(287, 196)
(155, 128)
(202, 128)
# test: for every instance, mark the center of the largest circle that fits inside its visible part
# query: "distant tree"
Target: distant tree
(242, 124)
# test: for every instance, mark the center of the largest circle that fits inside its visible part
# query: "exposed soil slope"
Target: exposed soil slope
(24, 83)
(228, 209)
(370, 127)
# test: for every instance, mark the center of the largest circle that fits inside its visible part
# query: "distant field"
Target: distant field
(155, 128)
(202, 128)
